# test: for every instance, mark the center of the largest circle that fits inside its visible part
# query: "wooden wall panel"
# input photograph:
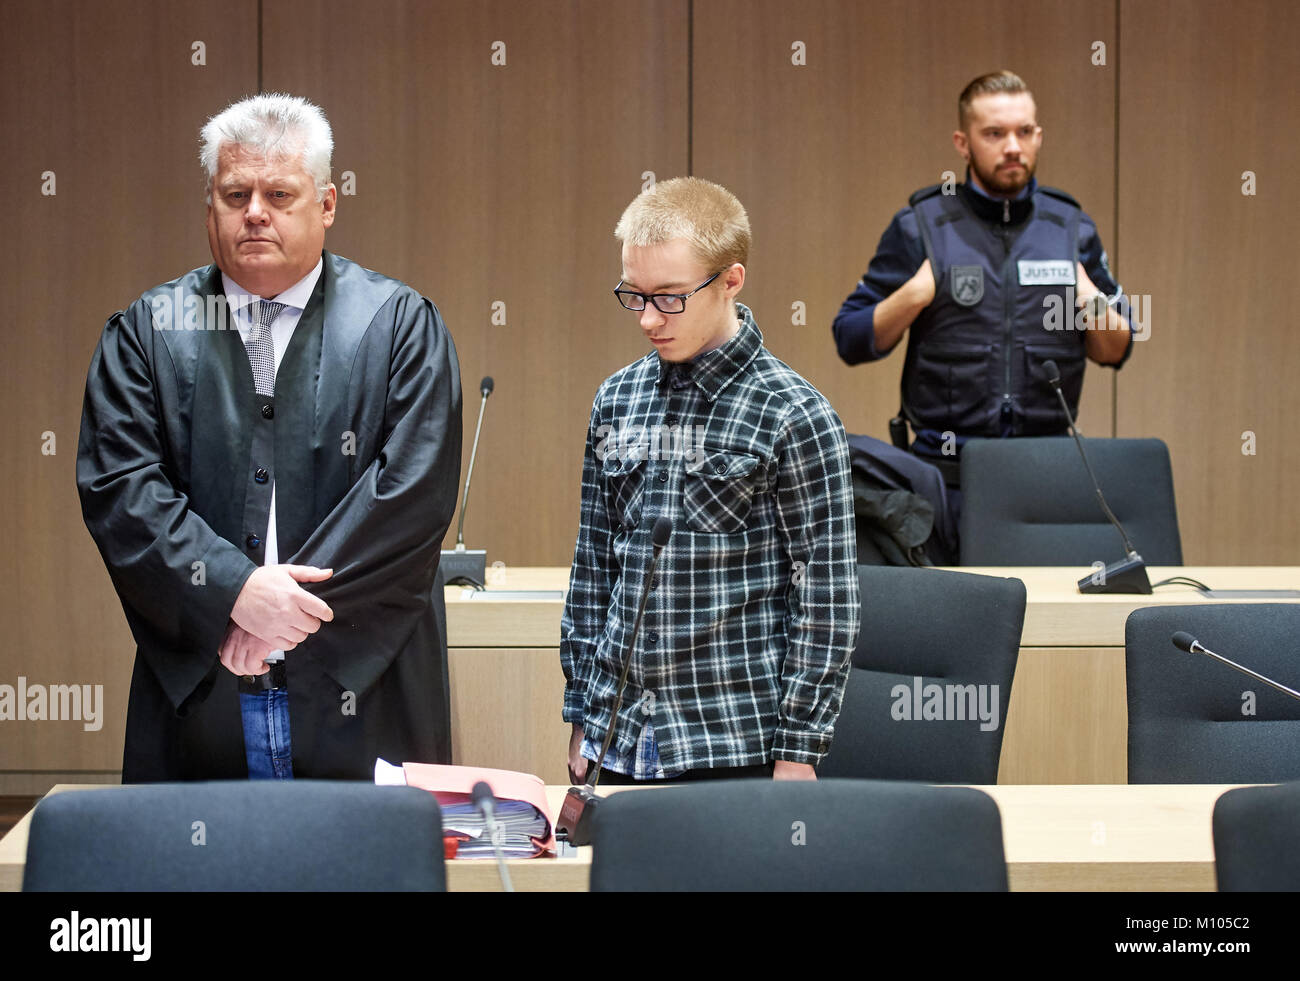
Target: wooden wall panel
(480, 183)
(822, 155)
(1209, 92)
(107, 98)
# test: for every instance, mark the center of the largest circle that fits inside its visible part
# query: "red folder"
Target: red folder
(454, 784)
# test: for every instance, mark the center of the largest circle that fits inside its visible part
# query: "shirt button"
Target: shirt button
(268, 411)
(653, 638)
(670, 421)
(260, 475)
(720, 468)
(663, 476)
(252, 541)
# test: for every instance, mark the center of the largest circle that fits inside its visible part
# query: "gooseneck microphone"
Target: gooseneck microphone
(462, 565)
(485, 802)
(1129, 574)
(574, 822)
(485, 388)
(1186, 642)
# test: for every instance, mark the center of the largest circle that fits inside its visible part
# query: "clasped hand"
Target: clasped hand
(272, 612)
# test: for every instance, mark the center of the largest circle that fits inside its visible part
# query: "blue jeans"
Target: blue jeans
(266, 735)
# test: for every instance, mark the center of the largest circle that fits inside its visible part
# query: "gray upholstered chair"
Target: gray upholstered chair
(1257, 839)
(827, 835)
(245, 836)
(1030, 502)
(956, 630)
(1194, 720)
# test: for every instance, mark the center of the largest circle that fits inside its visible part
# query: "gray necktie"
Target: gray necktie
(261, 352)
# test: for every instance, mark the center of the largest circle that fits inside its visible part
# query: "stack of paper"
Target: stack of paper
(522, 822)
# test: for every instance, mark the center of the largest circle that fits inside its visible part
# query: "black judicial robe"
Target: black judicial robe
(366, 447)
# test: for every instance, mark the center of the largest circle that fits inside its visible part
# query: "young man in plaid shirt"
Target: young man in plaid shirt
(740, 665)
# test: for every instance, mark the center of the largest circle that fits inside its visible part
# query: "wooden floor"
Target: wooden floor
(12, 809)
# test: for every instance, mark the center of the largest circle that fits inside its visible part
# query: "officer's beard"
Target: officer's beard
(1002, 182)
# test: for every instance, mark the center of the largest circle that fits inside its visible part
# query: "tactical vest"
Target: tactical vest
(1003, 305)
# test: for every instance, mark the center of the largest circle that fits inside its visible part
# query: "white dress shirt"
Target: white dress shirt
(295, 301)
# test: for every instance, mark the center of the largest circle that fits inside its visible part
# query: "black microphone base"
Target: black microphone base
(1128, 575)
(464, 567)
(574, 823)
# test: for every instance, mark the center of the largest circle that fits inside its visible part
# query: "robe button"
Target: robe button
(260, 475)
(268, 411)
(252, 541)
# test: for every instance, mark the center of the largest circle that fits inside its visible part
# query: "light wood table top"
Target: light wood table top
(1056, 615)
(1057, 838)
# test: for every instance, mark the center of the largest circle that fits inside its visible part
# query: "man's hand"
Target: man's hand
(242, 653)
(273, 607)
(895, 313)
(921, 286)
(785, 770)
(1084, 288)
(577, 765)
(1108, 336)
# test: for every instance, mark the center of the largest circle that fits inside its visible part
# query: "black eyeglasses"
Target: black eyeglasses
(663, 302)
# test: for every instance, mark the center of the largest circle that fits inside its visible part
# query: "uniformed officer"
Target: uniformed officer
(994, 276)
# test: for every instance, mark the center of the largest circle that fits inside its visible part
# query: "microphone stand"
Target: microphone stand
(1186, 642)
(579, 808)
(1129, 574)
(462, 566)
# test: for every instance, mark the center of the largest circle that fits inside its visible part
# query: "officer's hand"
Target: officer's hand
(274, 607)
(577, 765)
(1084, 288)
(242, 653)
(922, 284)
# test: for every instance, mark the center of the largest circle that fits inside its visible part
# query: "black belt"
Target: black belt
(277, 677)
(949, 467)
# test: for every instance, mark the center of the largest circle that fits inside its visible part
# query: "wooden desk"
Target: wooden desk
(1078, 839)
(1066, 723)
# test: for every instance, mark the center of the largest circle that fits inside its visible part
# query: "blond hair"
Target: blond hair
(707, 215)
(1003, 81)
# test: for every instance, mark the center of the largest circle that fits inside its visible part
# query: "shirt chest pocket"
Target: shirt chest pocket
(624, 485)
(718, 491)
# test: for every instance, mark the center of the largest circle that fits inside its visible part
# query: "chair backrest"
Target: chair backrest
(927, 695)
(245, 836)
(1257, 839)
(824, 835)
(1192, 719)
(1030, 502)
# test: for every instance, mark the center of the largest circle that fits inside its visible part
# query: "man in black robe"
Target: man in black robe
(268, 461)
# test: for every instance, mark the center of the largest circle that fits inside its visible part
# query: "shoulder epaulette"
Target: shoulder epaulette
(1056, 192)
(923, 193)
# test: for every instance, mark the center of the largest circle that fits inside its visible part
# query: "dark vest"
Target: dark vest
(1004, 277)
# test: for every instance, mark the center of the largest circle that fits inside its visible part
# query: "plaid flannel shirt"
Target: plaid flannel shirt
(753, 615)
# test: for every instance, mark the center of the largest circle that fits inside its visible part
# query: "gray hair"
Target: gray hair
(273, 124)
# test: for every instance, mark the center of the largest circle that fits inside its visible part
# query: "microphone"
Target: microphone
(485, 803)
(464, 566)
(1186, 642)
(574, 823)
(1129, 574)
